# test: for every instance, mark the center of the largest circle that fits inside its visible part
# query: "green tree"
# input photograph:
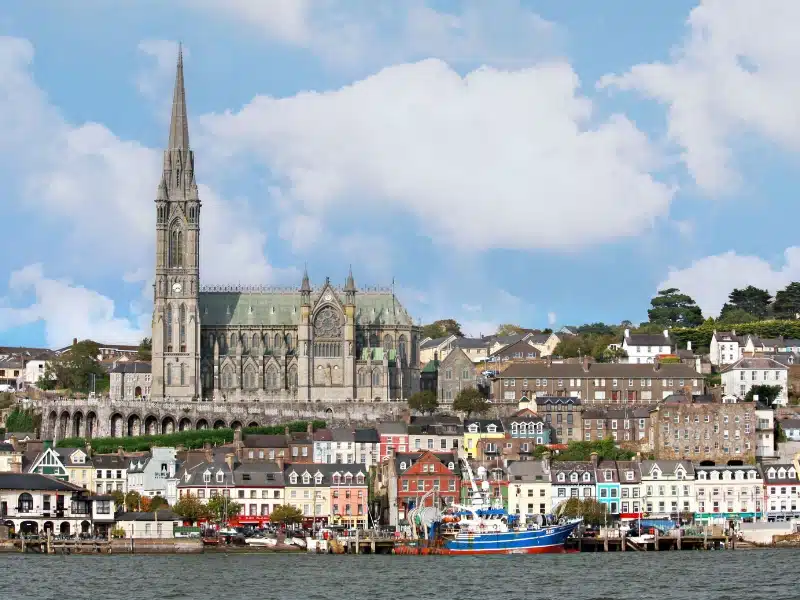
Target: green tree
(599, 328)
(286, 515)
(133, 501)
(442, 328)
(734, 316)
(787, 302)
(145, 351)
(767, 394)
(424, 402)
(119, 499)
(671, 308)
(21, 420)
(780, 434)
(471, 401)
(573, 346)
(75, 368)
(157, 503)
(750, 300)
(6, 400)
(191, 509)
(582, 451)
(509, 329)
(222, 509)
(594, 512)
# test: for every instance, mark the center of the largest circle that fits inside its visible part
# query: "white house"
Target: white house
(643, 348)
(738, 378)
(725, 348)
(33, 503)
(782, 492)
(791, 427)
(667, 487)
(728, 493)
(154, 475)
(148, 525)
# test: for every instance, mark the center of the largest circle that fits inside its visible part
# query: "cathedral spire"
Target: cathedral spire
(306, 285)
(179, 123)
(350, 284)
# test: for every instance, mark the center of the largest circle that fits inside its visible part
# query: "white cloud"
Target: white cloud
(734, 73)
(709, 280)
(551, 318)
(471, 307)
(478, 328)
(368, 34)
(155, 81)
(99, 189)
(495, 159)
(68, 311)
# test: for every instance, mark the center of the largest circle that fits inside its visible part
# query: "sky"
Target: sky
(527, 161)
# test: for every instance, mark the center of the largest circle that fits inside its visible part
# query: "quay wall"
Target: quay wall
(157, 546)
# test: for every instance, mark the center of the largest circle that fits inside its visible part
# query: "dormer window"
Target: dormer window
(702, 475)
(451, 466)
(473, 428)
(207, 477)
(360, 479)
(655, 473)
(186, 476)
(629, 475)
(792, 474)
(573, 477)
(403, 466)
(318, 478)
(587, 477)
(220, 476)
(293, 478)
(348, 479)
(560, 477)
(607, 474)
(337, 478)
(491, 429)
(306, 478)
(771, 473)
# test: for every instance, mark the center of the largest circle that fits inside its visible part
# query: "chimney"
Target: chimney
(209, 454)
(656, 364)
(546, 462)
(120, 452)
(666, 333)
(14, 444)
(280, 463)
(229, 461)
(627, 333)
(74, 341)
(36, 434)
(286, 431)
(689, 345)
(595, 459)
(88, 448)
(586, 364)
(733, 332)
(237, 436)
(310, 428)
(549, 361)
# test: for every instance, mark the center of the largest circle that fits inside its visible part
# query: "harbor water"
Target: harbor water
(688, 575)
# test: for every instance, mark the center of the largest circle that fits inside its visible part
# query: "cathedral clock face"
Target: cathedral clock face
(328, 297)
(176, 287)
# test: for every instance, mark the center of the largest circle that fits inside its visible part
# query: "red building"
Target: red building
(394, 439)
(419, 473)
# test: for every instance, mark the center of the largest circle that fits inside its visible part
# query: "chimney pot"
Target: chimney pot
(666, 333)
(120, 452)
(586, 363)
(627, 333)
(595, 459)
(286, 430)
(310, 428)
(229, 461)
(74, 341)
(689, 345)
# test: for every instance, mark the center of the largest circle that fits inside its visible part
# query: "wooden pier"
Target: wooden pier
(615, 541)
(50, 545)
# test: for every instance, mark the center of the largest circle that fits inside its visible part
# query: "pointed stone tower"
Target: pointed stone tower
(176, 314)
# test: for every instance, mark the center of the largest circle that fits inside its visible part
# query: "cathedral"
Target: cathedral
(229, 343)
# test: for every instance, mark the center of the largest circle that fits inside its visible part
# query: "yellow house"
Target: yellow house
(73, 465)
(481, 429)
(308, 489)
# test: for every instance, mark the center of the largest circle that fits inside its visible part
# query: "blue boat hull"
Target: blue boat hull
(536, 541)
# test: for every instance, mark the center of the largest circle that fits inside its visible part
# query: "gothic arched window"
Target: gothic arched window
(267, 343)
(176, 247)
(250, 379)
(373, 340)
(255, 343)
(401, 348)
(182, 327)
(388, 342)
(228, 381)
(363, 378)
(376, 378)
(169, 374)
(223, 344)
(293, 377)
(183, 374)
(245, 343)
(272, 379)
(278, 344)
(233, 343)
(168, 329)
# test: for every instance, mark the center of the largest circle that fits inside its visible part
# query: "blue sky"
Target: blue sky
(536, 162)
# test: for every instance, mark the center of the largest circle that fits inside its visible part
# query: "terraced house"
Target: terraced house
(597, 383)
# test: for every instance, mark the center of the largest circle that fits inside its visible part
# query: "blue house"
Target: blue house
(528, 425)
(608, 486)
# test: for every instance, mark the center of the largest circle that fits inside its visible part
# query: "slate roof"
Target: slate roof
(326, 470)
(5, 447)
(572, 466)
(20, 435)
(323, 435)
(607, 467)
(667, 466)
(604, 370)
(110, 461)
(623, 466)
(367, 436)
(790, 424)
(465, 342)
(131, 366)
(193, 475)
(36, 482)
(392, 428)
(340, 434)
(433, 342)
(412, 457)
(648, 339)
(775, 479)
(527, 471)
(556, 400)
(65, 454)
(159, 515)
(755, 362)
(256, 308)
(483, 424)
(432, 366)
(261, 440)
(258, 475)
(727, 336)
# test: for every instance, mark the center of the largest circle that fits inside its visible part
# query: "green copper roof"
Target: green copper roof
(432, 366)
(377, 354)
(282, 308)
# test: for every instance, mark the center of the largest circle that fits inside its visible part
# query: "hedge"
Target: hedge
(188, 439)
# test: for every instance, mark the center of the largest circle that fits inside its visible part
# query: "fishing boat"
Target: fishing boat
(480, 528)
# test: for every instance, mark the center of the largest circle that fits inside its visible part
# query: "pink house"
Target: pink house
(394, 437)
(348, 497)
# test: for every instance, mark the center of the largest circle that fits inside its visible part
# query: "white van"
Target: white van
(7, 387)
